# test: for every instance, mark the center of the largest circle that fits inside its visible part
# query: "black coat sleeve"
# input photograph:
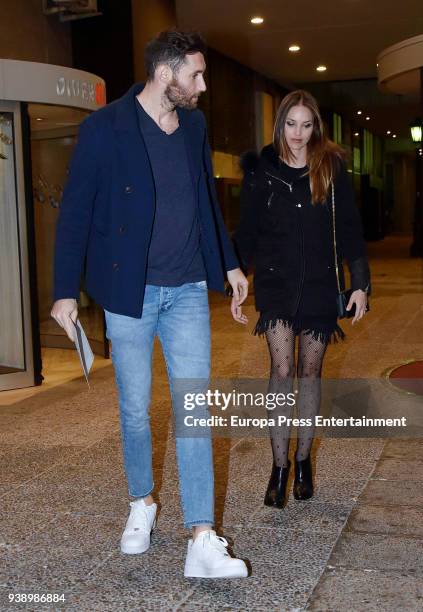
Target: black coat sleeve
(245, 236)
(349, 232)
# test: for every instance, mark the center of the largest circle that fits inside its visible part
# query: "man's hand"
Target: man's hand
(64, 312)
(359, 298)
(239, 286)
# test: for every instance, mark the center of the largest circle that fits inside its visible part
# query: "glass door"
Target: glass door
(54, 133)
(16, 358)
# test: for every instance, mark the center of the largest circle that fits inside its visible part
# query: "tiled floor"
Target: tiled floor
(355, 546)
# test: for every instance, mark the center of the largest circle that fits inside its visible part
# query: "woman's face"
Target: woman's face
(298, 127)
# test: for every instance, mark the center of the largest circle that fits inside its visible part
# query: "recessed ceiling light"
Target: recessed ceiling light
(321, 68)
(367, 118)
(388, 132)
(359, 112)
(257, 20)
(356, 134)
(294, 48)
(394, 135)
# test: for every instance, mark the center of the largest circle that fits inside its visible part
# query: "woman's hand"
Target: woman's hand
(359, 298)
(239, 285)
(236, 310)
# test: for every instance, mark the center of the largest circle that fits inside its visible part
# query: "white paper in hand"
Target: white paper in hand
(85, 353)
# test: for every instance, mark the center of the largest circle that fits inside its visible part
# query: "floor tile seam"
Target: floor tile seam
(169, 528)
(372, 324)
(287, 530)
(376, 505)
(38, 396)
(53, 518)
(377, 479)
(51, 468)
(372, 471)
(340, 532)
(388, 506)
(390, 535)
(280, 528)
(383, 572)
(99, 565)
(336, 504)
(184, 600)
(419, 462)
(8, 492)
(416, 573)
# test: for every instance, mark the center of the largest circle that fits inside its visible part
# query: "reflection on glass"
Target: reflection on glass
(12, 354)
(54, 132)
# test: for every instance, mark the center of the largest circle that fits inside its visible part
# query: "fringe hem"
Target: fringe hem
(328, 334)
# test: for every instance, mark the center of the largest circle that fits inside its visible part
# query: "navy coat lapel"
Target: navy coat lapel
(133, 156)
(193, 144)
(132, 149)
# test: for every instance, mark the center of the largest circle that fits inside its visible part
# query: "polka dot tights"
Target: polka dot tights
(281, 343)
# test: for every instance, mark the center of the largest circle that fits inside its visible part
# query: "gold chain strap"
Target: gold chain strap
(334, 237)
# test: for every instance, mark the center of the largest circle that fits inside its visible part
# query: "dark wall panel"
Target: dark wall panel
(231, 104)
(103, 45)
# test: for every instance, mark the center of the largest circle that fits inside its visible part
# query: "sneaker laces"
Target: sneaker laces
(218, 542)
(138, 517)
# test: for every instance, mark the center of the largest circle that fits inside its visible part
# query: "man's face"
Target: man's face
(188, 84)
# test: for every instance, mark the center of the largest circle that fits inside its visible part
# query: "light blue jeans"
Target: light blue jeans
(179, 316)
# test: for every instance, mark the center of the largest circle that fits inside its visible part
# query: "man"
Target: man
(141, 209)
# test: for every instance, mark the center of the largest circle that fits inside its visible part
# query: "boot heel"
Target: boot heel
(276, 489)
(303, 483)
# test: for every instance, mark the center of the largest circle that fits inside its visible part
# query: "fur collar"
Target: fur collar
(251, 160)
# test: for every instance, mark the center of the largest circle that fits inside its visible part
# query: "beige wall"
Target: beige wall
(265, 117)
(27, 34)
(148, 18)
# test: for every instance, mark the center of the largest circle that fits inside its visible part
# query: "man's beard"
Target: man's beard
(178, 96)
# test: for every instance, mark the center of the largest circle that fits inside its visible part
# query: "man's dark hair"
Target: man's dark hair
(171, 47)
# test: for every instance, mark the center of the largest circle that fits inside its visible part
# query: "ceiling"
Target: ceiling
(344, 35)
(49, 116)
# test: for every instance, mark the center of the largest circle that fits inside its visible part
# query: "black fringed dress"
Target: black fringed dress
(289, 242)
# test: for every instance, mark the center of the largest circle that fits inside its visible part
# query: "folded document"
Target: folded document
(85, 353)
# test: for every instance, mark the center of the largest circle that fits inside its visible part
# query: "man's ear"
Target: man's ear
(164, 74)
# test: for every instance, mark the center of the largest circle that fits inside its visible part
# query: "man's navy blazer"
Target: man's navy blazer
(107, 211)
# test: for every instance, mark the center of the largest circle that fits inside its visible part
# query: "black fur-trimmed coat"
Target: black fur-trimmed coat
(289, 241)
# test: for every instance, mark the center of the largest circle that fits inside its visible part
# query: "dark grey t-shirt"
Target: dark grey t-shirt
(174, 256)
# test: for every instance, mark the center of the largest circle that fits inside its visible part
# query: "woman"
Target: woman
(286, 230)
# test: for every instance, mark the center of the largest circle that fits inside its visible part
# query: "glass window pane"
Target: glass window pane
(12, 352)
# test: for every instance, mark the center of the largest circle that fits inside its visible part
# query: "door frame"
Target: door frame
(19, 380)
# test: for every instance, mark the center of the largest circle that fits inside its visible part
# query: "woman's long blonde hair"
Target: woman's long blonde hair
(323, 155)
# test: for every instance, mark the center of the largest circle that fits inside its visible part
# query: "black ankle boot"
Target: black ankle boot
(276, 489)
(303, 483)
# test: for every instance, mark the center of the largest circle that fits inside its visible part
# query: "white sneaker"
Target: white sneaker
(141, 521)
(207, 557)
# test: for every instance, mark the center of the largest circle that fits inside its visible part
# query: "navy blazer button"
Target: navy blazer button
(129, 189)
(121, 229)
(115, 266)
